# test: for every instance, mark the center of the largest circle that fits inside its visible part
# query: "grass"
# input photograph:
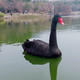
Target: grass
(29, 17)
(1, 14)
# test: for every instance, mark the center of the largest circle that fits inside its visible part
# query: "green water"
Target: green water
(15, 65)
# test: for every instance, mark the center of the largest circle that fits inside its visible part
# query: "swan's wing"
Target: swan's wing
(41, 43)
(36, 47)
(40, 46)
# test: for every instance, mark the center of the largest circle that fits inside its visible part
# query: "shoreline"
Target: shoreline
(18, 15)
(29, 17)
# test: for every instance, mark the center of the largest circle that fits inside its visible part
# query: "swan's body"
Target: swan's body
(43, 49)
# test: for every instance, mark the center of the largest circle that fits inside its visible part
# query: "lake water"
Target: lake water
(15, 65)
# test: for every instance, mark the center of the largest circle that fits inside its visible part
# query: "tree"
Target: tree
(26, 0)
(62, 9)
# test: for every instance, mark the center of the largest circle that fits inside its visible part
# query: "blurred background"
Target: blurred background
(31, 19)
(63, 7)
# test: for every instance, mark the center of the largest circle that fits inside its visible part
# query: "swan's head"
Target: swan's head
(57, 18)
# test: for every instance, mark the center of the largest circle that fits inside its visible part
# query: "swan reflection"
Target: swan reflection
(53, 63)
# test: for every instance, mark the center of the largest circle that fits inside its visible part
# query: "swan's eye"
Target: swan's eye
(60, 21)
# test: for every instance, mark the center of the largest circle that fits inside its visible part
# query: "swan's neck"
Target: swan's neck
(53, 40)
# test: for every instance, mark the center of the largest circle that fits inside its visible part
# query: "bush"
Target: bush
(1, 14)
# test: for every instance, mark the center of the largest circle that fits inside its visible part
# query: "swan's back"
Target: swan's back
(37, 48)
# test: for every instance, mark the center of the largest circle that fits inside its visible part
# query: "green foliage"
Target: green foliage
(2, 9)
(2, 23)
(67, 2)
(28, 6)
(1, 14)
(76, 2)
(71, 2)
(10, 0)
(26, 0)
(38, 7)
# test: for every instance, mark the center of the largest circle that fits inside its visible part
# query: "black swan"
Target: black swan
(43, 49)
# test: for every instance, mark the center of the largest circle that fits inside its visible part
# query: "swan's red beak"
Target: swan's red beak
(60, 21)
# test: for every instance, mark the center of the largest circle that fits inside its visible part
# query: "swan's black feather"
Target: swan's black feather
(38, 48)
